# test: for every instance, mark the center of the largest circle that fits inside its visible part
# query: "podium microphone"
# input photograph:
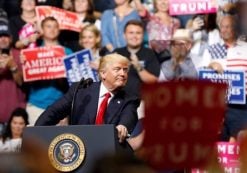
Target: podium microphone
(83, 83)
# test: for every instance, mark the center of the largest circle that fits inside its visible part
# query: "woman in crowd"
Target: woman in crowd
(12, 136)
(113, 22)
(67, 5)
(23, 27)
(90, 38)
(160, 25)
(205, 33)
(85, 11)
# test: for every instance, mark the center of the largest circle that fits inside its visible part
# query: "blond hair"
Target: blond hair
(92, 28)
(110, 59)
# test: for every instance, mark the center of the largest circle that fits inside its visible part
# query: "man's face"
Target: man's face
(115, 75)
(5, 41)
(50, 30)
(180, 48)
(134, 36)
(227, 29)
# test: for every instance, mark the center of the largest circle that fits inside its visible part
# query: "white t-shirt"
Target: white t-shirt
(10, 145)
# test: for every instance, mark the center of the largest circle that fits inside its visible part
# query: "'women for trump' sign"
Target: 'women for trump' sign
(182, 121)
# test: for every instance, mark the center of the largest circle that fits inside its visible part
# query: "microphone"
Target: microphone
(87, 82)
(83, 83)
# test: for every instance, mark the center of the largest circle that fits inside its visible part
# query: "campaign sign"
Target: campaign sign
(181, 7)
(235, 81)
(182, 121)
(66, 19)
(43, 63)
(77, 65)
(26, 31)
(228, 157)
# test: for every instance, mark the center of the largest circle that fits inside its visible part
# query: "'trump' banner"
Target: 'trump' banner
(43, 63)
(66, 19)
(182, 121)
(78, 65)
(235, 81)
(181, 7)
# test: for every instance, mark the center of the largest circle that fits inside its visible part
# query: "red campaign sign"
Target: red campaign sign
(181, 7)
(43, 63)
(182, 122)
(66, 19)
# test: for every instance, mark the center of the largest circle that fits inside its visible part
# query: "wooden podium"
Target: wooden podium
(74, 148)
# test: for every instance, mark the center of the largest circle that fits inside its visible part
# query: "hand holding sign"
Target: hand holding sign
(216, 66)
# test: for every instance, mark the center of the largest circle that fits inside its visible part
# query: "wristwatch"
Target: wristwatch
(139, 68)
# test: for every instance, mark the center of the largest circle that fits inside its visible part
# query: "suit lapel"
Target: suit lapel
(113, 107)
(93, 105)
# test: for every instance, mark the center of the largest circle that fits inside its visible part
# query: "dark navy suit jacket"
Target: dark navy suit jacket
(122, 108)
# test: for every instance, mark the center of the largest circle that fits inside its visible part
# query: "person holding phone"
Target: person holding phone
(11, 93)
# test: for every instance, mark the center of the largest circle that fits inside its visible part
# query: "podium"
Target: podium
(74, 148)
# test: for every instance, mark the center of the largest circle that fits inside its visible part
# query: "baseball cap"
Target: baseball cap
(4, 28)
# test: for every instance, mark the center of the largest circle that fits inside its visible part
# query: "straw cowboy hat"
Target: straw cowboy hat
(182, 34)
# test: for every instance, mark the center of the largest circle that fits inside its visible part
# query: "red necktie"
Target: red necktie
(102, 109)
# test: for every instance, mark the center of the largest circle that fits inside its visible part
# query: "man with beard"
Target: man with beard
(180, 66)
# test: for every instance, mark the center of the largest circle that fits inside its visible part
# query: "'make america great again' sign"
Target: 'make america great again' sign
(43, 63)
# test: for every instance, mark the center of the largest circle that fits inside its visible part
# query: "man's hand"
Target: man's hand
(216, 66)
(135, 62)
(122, 132)
(4, 59)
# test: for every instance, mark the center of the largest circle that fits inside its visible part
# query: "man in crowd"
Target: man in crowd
(229, 55)
(101, 102)
(144, 69)
(144, 64)
(45, 92)
(180, 66)
(11, 93)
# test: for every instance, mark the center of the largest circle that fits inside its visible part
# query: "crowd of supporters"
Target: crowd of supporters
(143, 31)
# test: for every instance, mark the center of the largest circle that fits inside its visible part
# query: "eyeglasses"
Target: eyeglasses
(178, 44)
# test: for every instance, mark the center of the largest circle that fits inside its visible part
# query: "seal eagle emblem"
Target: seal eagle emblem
(66, 152)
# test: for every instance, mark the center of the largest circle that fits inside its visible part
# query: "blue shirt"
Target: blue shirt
(112, 28)
(44, 93)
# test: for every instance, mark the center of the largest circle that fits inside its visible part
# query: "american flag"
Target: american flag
(218, 51)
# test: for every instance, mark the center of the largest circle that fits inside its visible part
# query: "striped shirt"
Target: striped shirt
(237, 59)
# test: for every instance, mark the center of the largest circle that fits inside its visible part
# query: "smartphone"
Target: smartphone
(5, 51)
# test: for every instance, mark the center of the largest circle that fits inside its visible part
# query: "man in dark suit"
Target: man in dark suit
(121, 109)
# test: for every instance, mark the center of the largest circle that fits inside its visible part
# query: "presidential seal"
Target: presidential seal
(66, 152)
